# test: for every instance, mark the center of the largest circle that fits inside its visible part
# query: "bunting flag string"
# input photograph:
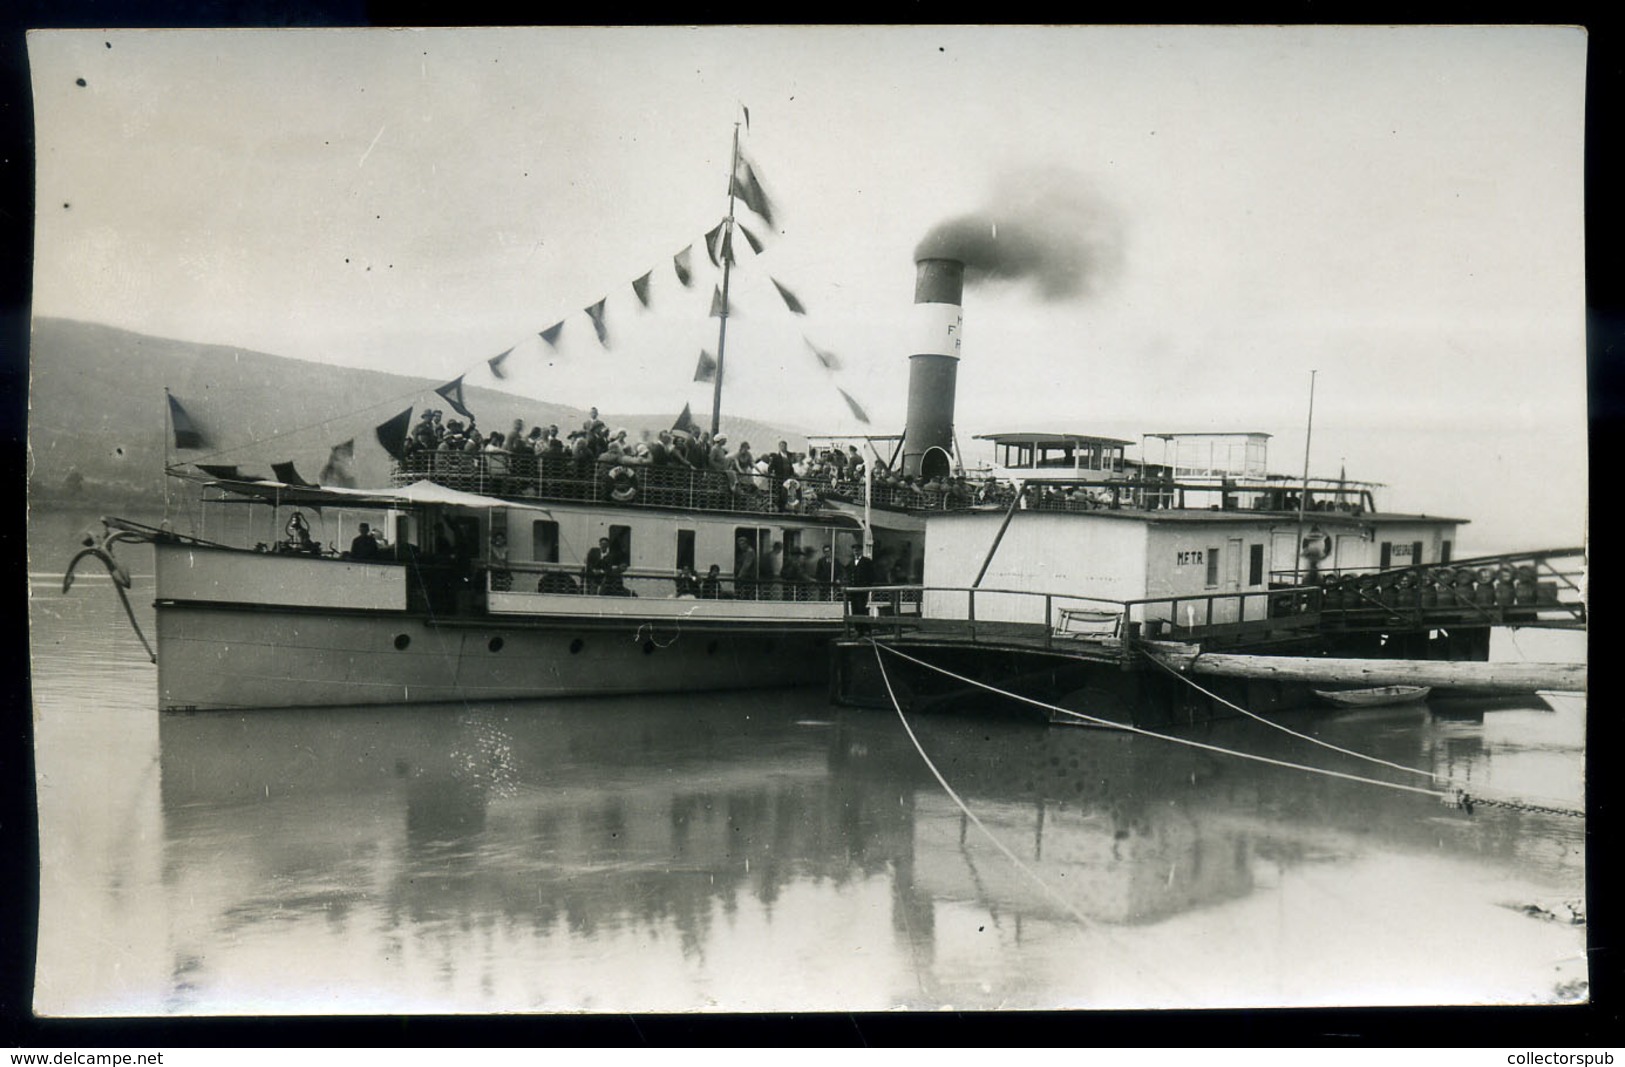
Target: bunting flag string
(551, 334)
(495, 363)
(596, 314)
(340, 468)
(682, 263)
(827, 359)
(751, 239)
(747, 187)
(707, 369)
(857, 409)
(640, 286)
(392, 434)
(452, 393)
(718, 309)
(790, 301)
(713, 237)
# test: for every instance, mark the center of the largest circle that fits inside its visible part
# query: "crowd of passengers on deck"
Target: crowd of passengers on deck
(795, 481)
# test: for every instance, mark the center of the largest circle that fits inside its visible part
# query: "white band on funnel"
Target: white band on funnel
(935, 330)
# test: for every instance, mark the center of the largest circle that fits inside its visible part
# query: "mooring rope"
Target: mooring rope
(959, 802)
(1454, 797)
(1288, 730)
(1098, 721)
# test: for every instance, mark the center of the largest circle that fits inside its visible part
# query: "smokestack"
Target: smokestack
(933, 369)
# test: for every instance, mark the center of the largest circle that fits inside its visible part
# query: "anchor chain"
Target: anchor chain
(1460, 798)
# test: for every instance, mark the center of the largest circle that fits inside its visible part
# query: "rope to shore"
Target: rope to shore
(1442, 795)
(1453, 797)
(1459, 797)
(1032, 875)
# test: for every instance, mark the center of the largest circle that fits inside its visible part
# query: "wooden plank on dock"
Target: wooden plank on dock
(1499, 677)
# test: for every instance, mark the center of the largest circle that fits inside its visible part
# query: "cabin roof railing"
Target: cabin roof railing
(1046, 438)
(1209, 433)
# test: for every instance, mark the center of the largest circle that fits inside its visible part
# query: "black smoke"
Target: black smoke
(1046, 228)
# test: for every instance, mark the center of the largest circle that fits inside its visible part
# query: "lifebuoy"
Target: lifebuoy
(1316, 545)
(623, 484)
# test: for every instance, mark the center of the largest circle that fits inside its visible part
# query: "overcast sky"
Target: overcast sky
(1398, 209)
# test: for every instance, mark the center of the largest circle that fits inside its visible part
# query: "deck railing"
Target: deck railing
(1064, 617)
(562, 579)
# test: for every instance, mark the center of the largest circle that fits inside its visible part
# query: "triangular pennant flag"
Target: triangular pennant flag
(682, 263)
(747, 187)
(551, 334)
(640, 286)
(187, 434)
(790, 300)
(392, 434)
(829, 360)
(746, 110)
(339, 469)
(495, 363)
(287, 475)
(728, 246)
(707, 369)
(225, 474)
(452, 393)
(750, 239)
(857, 410)
(686, 423)
(718, 308)
(596, 314)
(712, 237)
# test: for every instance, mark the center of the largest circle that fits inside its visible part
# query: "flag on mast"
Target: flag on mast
(339, 469)
(707, 369)
(392, 434)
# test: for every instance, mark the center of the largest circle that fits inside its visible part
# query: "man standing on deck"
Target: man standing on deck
(364, 547)
(744, 569)
(860, 573)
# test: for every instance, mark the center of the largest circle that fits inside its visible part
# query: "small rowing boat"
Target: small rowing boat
(1376, 697)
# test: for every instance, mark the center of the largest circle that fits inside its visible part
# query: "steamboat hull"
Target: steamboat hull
(215, 656)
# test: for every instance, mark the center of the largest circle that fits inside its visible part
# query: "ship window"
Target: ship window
(1386, 558)
(685, 549)
(1212, 567)
(544, 541)
(1444, 551)
(1255, 565)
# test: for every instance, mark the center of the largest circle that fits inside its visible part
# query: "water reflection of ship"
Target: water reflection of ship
(535, 815)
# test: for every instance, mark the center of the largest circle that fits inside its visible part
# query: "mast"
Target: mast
(727, 264)
(1303, 493)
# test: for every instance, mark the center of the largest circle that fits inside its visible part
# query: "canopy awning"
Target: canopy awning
(418, 494)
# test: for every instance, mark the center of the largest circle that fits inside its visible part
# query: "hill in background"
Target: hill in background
(98, 429)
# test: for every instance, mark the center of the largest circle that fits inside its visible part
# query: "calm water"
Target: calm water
(766, 851)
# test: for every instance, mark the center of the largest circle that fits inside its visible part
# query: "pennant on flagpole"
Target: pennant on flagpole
(392, 434)
(187, 434)
(682, 263)
(746, 110)
(339, 469)
(718, 309)
(685, 422)
(596, 314)
(226, 474)
(747, 187)
(452, 393)
(551, 334)
(712, 238)
(707, 369)
(857, 410)
(495, 363)
(829, 360)
(750, 239)
(288, 475)
(790, 300)
(640, 286)
(728, 246)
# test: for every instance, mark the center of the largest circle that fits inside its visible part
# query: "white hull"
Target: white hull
(218, 656)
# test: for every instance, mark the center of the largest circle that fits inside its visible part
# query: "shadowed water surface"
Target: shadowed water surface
(766, 851)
